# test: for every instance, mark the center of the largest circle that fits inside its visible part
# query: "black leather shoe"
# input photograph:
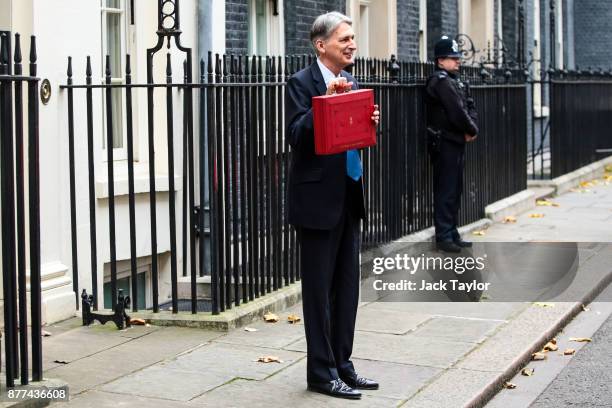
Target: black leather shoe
(360, 383)
(335, 388)
(463, 244)
(448, 246)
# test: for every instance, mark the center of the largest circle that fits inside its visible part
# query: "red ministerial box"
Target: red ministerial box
(343, 121)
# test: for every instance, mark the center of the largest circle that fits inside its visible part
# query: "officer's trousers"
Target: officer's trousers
(448, 163)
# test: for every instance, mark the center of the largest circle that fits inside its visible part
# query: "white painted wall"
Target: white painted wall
(73, 28)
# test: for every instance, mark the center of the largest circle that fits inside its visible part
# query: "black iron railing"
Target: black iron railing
(20, 207)
(235, 170)
(580, 108)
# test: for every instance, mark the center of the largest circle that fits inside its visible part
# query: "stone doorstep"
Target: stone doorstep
(51, 384)
(232, 318)
(496, 379)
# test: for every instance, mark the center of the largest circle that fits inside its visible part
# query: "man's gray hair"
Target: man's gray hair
(324, 26)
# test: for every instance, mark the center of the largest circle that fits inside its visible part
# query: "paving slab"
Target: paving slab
(397, 381)
(404, 349)
(168, 383)
(100, 399)
(459, 329)
(257, 394)
(454, 388)
(234, 360)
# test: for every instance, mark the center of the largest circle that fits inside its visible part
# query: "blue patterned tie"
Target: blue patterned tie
(353, 164)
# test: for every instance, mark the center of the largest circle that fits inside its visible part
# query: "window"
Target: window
(366, 16)
(423, 30)
(266, 28)
(114, 45)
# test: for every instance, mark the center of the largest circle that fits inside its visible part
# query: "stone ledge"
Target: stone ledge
(232, 318)
(568, 181)
(516, 203)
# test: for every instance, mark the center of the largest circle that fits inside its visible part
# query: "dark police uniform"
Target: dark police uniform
(450, 115)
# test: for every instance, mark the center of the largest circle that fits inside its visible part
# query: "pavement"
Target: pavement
(424, 354)
(582, 379)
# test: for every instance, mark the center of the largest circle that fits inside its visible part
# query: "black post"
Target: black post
(131, 194)
(111, 182)
(34, 191)
(21, 256)
(8, 216)
(91, 185)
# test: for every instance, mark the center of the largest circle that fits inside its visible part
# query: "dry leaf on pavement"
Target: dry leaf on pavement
(544, 304)
(609, 167)
(585, 309)
(538, 356)
(269, 359)
(270, 317)
(509, 385)
(550, 346)
(528, 372)
(509, 219)
(580, 339)
(293, 318)
(138, 322)
(479, 233)
(536, 215)
(569, 351)
(546, 203)
(585, 184)
(250, 329)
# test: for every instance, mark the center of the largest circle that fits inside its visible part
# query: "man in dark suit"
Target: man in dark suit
(326, 205)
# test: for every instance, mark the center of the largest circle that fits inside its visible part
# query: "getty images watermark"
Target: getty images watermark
(404, 263)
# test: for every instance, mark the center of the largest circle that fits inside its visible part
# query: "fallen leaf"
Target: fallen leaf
(538, 356)
(270, 317)
(607, 177)
(569, 352)
(479, 233)
(550, 346)
(509, 385)
(609, 168)
(585, 184)
(580, 339)
(293, 318)
(269, 359)
(528, 372)
(60, 361)
(536, 215)
(250, 329)
(585, 309)
(138, 322)
(509, 219)
(544, 304)
(553, 340)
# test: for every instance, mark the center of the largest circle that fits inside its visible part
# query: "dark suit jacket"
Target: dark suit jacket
(317, 184)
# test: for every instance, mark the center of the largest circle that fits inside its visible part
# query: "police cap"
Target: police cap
(446, 47)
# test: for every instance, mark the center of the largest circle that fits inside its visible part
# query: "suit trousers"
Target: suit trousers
(448, 165)
(329, 261)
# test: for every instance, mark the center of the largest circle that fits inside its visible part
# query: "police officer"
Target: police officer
(451, 122)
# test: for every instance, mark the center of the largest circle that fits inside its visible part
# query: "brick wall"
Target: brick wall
(408, 29)
(236, 26)
(299, 16)
(442, 19)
